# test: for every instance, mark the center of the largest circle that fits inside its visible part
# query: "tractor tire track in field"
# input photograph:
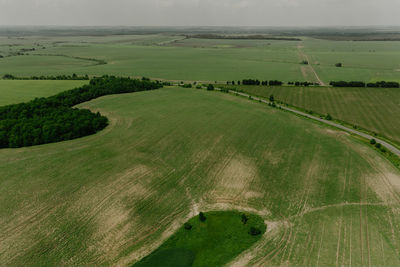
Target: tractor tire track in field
(309, 66)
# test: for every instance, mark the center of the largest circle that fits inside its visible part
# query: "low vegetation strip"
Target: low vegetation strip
(210, 239)
(53, 119)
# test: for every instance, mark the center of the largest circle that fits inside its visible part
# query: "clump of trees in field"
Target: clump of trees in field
(188, 226)
(202, 217)
(53, 119)
(339, 65)
(58, 77)
(254, 231)
(381, 84)
(244, 218)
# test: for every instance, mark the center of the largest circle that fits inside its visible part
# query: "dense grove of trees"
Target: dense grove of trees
(58, 77)
(53, 119)
(382, 84)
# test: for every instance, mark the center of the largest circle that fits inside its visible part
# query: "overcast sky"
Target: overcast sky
(200, 12)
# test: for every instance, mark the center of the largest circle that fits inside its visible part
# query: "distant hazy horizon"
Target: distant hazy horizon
(285, 13)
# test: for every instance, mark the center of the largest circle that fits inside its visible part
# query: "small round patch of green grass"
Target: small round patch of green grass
(212, 242)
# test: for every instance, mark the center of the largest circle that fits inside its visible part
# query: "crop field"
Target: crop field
(173, 57)
(370, 108)
(115, 197)
(17, 91)
(362, 61)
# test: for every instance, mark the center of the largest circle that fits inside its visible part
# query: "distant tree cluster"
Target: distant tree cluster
(384, 84)
(52, 119)
(186, 85)
(305, 84)
(347, 84)
(264, 83)
(381, 84)
(58, 77)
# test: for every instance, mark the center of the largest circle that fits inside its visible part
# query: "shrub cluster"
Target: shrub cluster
(53, 119)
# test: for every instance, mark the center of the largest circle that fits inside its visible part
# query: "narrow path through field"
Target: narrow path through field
(309, 66)
(390, 147)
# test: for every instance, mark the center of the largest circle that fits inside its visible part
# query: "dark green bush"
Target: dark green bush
(254, 231)
(188, 226)
(202, 217)
(244, 218)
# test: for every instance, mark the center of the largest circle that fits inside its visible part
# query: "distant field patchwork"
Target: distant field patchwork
(177, 58)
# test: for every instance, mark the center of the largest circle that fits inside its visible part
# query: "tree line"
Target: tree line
(381, 84)
(269, 83)
(53, 119)
(58, 77)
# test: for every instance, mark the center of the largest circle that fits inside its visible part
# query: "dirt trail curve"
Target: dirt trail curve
(305, 57)
(392, 148)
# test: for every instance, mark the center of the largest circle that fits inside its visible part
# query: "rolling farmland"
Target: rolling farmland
(114, 197)
(174, 57)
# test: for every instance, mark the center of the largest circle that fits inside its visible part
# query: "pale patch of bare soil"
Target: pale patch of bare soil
(104, 204)
(233, 177)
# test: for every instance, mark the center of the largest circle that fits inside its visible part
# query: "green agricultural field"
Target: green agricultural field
(115, 197)
(362, 61)
(373, 109)
(17, 91)
(176, 58)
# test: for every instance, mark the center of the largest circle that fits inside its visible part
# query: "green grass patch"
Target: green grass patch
(214, 242)
(17, 91)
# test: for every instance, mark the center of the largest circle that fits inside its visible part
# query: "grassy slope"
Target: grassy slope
(374, 109)
(214, 242)
(114, 197)
(16, 91)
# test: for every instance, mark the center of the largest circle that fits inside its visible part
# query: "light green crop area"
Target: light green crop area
(114, 197)
(374, 109)
(17, 91)
(362, 61)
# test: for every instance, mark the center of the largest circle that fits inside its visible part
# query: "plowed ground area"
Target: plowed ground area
(114, 197)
